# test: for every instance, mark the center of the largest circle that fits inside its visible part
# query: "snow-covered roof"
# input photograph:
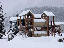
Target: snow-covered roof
(48, 13)
(58, 23)
(39, 20)
(15, 18)
(37, 15)
(24, 12)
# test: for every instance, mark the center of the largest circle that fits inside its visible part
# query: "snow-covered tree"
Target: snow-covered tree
(1, 22)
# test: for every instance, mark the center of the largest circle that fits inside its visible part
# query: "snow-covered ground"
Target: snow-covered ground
(32, 42)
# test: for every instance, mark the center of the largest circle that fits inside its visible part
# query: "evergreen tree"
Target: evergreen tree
(1, 22)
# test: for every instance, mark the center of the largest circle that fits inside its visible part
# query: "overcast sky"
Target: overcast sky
(12, 6)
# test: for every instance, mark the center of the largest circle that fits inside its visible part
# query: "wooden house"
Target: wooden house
(35, 23)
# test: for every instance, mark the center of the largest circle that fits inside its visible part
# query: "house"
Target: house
(35, 24)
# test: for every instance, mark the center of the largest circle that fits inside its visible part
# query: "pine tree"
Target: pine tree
(1, 22)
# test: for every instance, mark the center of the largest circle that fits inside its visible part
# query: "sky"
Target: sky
(12, 6)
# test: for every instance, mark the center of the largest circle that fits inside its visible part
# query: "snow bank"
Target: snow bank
(36, 42)
(32, 42)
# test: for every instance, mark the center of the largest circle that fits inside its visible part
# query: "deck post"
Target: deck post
(48, 26)
(51, 29)
(53, 20)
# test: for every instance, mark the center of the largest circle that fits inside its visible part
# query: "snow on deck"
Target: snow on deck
(40, 32)
(37, 15)
(39, 20)
(48, 13)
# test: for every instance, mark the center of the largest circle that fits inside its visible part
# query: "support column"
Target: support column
(53, 26)
(53, 20)
(51, 29)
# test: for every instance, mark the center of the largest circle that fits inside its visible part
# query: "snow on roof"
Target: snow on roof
(58, 23)
(15, 18)
(37, 15)
(48, 13)
(24, 12)
(39, 20)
